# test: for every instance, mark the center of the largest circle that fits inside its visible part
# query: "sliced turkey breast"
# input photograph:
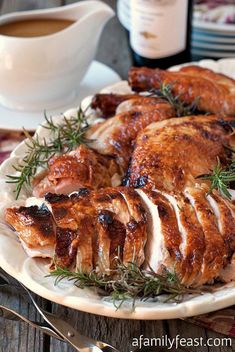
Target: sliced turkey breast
(216, 252)
(162, 249)
(193, 242)
(225, 219)
(35, 227)
(75, 233)
(227, 274)
(136, 234)
(112, 216)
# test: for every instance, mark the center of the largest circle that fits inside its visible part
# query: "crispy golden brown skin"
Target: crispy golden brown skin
(216, 92)
(170, 222)
(35, 226)
(215, 252)
(171, 154)
(94, 227)
(75, 230)
(117, 135)
(81, 168)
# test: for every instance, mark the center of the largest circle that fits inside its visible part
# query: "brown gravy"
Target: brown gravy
(34, 28)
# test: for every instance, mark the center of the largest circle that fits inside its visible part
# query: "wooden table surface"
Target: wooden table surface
(18, 337)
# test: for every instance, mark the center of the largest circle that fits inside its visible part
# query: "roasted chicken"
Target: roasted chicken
(90, 228)
(112, 144)
(35, 228)
(165, 217)
(181, 150)
(80, 168)
(116, 136)
(214, 92)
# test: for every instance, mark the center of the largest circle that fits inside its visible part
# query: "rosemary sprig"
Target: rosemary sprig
(220, 178)
(64, 138)
(181, 108)
(127, 282)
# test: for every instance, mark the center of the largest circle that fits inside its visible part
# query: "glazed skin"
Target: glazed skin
(215, 92)
(117, 135)
(80, 168)
(181, 150)
(163, 217)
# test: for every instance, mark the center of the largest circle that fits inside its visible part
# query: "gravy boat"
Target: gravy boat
(44, 72)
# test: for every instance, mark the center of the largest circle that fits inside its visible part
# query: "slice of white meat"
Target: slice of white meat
(35, 228)
(225, 219)
(136, 233)
(112, 219)
(74, 217)
(163, 241)
(193, 241)
(215, 253)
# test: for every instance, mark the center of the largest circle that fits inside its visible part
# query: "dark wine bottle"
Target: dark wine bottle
(160, 32)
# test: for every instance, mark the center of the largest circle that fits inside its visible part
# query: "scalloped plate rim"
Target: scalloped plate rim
(28, 270)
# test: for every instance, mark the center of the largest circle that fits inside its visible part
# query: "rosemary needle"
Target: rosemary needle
(64, 137)
(220, 178)
(181, 108)
(127, 282)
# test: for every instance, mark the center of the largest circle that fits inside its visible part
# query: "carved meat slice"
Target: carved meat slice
(112, 217)
(82, 168)
(215, 92)
(175, 237)
(193, 240)
(75, 234)
(136, 232)
(162, 249)
(225, 220)
(216, 252)
(97, 227)
(227, 274)
(35, 228)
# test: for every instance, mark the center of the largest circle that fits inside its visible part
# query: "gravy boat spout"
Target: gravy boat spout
(44, 72)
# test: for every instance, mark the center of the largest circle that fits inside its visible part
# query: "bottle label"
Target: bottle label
(158, 27)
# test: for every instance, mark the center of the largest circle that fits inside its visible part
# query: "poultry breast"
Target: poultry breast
(88, 229)
(214, 92)
(181, 149)
(165, 217)
(112, 144)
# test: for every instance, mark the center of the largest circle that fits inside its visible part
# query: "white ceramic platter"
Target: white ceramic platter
(32, 272)
(97, 77)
